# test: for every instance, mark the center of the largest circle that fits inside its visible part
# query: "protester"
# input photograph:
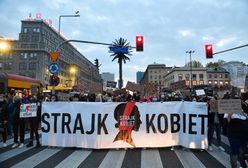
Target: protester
(11, 111)
(34, 122)
(3, 120)
(18, 124)
(214, 123)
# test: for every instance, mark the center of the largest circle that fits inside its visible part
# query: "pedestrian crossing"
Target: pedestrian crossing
(46, 157)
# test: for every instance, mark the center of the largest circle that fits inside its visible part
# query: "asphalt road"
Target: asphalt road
(46, 157)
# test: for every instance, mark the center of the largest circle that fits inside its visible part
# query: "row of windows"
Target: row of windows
(158, 71)
(217, 75)
(155, 77)
(25, 66)
(6, 56)
(6, 66)
(26, 38)
(215, 82)
(31, 30)
(28, 56)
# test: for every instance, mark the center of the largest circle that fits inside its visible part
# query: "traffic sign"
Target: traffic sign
(54, 55)
(53, 68)
(118, 49)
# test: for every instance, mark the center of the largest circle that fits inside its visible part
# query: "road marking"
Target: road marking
(113, 159)
(37, 158)
(74, 159)
(151, 158)
(188, 159)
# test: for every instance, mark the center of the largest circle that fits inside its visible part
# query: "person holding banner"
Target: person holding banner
(214, 123)
(237, 131)
(18, 124)
(34, 121)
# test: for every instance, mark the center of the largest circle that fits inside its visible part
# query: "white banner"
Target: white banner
(28, 110)
(120, 125)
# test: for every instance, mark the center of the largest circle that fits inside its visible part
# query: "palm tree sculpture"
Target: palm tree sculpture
(121, 56)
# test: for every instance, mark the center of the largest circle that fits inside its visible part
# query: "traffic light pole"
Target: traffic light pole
(89, 42)
(246, 45)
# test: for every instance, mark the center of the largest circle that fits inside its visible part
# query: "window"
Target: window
(209, 75)
(33, 46)
(226, 75)
(32, 66)
(201, 76)
(24, 56)
(24, 46)
(221, 82)
(215, 82)
(25, 30)
(194, 76)
(215, 75)
(194, 83)
(180, 77)
(187, 82)
(220, 75)
(187, 77)
(210, 82)
(35, 38)
(23, 66)
(8, 65)
(33, 56)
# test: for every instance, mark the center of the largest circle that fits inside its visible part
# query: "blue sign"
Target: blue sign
(118, 49)
(53, 68)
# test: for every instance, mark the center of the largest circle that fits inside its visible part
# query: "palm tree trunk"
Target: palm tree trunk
(120, 74)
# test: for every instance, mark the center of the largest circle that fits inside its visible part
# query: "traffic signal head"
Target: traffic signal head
(209, 50)
(139, 43)
(96, 63)
(54, 80)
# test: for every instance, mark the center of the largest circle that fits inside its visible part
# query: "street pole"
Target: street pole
(191, 80)
(75, 15)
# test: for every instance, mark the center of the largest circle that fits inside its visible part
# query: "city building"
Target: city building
(218, 78)
(107, 76)
(108, 80)
(153, 78)
(180, 78)
(139, 76)
(29, 56)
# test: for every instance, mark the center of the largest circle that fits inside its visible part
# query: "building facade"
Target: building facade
(153, 78)
(139, 76)
(218, 78)
(177, 74)
(238, 72)
(30, 57)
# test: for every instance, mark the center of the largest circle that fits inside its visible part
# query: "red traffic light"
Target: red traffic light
(54, 80)
(139, 43)
(209, 50)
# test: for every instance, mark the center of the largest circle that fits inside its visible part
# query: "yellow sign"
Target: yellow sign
(54, 55)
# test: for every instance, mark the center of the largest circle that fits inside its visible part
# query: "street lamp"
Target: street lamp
(190, 52)
(75, 15)
(4, 46)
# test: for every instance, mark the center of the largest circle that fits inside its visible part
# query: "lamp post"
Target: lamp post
(190, 52)
(75, 15)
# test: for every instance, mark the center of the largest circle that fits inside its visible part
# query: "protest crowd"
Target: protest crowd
(234, 126)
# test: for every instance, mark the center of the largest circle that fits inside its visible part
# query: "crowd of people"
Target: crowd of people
(12, 125)
(234, 126)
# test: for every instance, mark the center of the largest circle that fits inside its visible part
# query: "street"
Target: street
(45, 157)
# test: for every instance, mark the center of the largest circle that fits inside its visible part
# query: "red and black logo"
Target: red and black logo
(127, 116)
